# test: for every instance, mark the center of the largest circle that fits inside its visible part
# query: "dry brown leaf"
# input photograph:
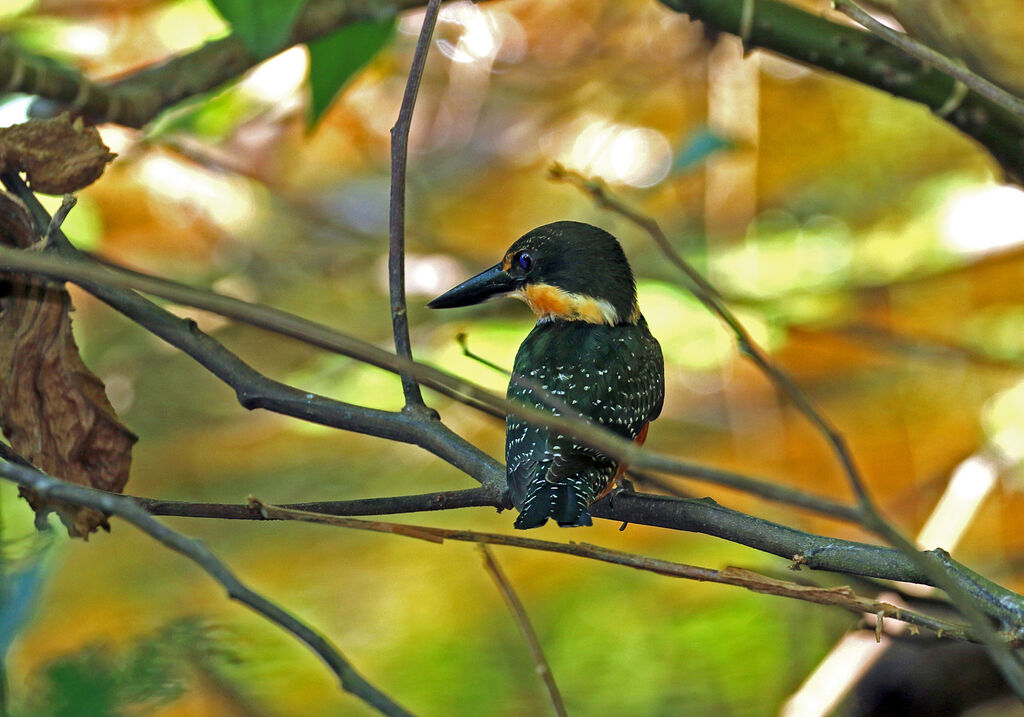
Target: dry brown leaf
(58, 157)
(53, 410)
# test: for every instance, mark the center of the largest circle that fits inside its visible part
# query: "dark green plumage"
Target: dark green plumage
(613, 375)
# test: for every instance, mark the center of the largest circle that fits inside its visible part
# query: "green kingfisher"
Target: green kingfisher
(591, 350)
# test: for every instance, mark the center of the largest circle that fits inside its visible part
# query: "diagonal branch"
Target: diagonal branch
(194, 550)
(1009, 663)
(253, 389)
(109, 283)
(515, 606)
(136, 99)
(708, 295)
(925, 54)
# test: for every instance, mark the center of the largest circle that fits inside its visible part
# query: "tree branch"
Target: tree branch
(868, 515)
(808, 38)
(929, 56)
(138, 98)
(109, 284)
(515, 606)
(705, 516)
(842, 597)
(442, 500)
(129, 510)
(396, 233)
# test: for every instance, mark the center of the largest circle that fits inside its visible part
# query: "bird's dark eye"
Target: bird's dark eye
(524, 261)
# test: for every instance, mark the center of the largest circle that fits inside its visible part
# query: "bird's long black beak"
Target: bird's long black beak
(492, 282)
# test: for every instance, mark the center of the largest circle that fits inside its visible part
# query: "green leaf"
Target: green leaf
(334, 59)
(263, 26)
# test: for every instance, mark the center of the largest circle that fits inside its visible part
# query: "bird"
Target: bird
(590, 349)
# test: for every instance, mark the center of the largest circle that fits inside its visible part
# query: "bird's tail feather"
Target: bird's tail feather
(561, 501)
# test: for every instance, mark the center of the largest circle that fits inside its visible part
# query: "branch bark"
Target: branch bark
(396, 233)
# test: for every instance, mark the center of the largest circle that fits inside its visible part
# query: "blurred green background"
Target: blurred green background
(871, 248)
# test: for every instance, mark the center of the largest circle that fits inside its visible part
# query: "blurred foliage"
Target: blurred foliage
(263, 25)
(334, 59)
(868, 246)
(100, 680)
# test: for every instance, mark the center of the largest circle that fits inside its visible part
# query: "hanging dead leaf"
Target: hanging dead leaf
(57, 156)
(53, 410)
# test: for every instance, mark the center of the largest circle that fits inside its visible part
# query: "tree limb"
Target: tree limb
(842, 597)
(396, 215)
(139, 97)
(515, 606)
(817, 552)
(925, 54)
(795, 33)
(193, 549)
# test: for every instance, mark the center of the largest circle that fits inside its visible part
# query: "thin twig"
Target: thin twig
(396, 245)
(53, 229)
(482, 496)
(463, 341)
(932, 57)
(126, 508)
(515, 606)
(708, 295)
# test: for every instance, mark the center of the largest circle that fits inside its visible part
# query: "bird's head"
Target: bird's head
(565, 270)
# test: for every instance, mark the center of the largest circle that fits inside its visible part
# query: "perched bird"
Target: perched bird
(591, 350)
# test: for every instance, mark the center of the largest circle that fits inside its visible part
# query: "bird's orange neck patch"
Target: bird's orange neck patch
(550, 302)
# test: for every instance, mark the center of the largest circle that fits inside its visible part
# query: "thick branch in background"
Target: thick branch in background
(138, 98)
(774, 25)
